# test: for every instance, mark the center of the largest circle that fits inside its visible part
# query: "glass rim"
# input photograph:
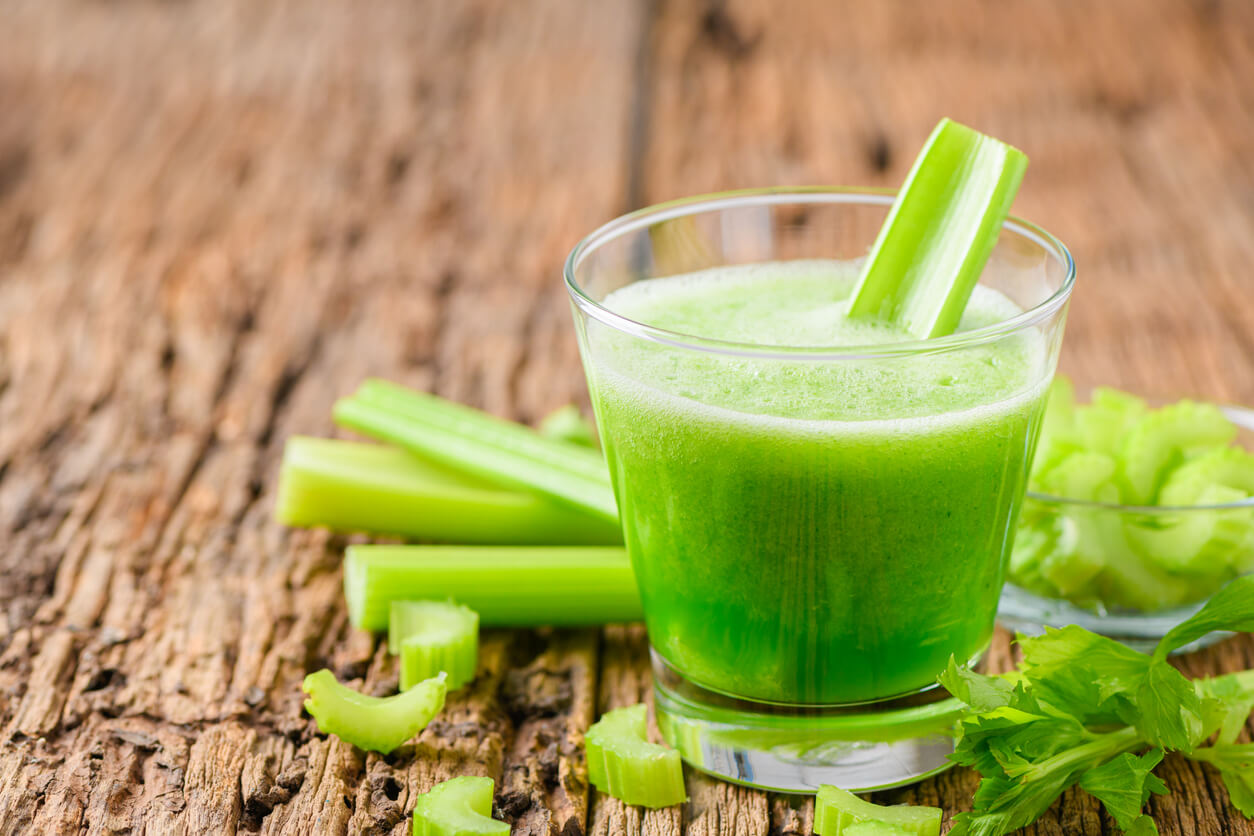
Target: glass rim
(813, 195)
(1138, 510)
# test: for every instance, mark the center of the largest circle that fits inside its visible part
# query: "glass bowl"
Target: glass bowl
(1127, 597)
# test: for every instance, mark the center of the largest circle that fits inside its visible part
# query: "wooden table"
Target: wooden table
(218, 215)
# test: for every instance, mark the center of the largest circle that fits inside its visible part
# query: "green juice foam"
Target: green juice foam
(812, 531)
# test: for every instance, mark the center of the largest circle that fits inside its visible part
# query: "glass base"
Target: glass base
(1028, 613)
(797, 748)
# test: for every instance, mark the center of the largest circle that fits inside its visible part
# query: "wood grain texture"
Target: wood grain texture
(217, 215)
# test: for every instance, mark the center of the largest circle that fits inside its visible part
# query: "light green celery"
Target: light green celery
(458, 807)
(940, 232)
(1162, 439)
(433, 637)
(874, 828)
(350, 486)
(624, 764)
(505, 453)
(511, 586)
(835, 810)
(379, 724)
(1196, 540)
(568, 424)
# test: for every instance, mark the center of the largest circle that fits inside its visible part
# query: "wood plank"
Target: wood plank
(214, 219)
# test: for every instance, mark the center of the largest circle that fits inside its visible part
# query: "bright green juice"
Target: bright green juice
(810, 531)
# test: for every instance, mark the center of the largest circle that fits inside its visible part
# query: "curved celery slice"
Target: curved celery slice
(379, 724)
(836, 810)
(1058, 436)
(475, 442)
(434, 636)
(940, 232)
(1199, 539)
(568, 424)
(1230, 467)
(1082, 475)
(458, 807)
(1162, 438)
(1104, 422)
(622, 763)
(350, 486)
(508, 586)
(875, 828)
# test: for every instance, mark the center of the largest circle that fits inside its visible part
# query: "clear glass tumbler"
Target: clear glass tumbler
(815, 531)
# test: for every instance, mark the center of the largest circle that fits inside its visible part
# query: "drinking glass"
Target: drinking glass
(815, 531)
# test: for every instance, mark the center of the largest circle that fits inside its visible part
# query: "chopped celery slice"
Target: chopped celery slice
(1133, 582)
(1163, 438)
(379, 724)
(508, 586)
(1230, 467)
(350, 486)
(1125, 559)
(458, 807)
(624, 764)
(1058, 436)
(502, 452)
(1080, 553)
(1083, 475)
(434, 636)
(1194, 540)
(568, 424)
(940, 232)
(875, 828)
(1101, 426)
(835, 810)
(1035, 538)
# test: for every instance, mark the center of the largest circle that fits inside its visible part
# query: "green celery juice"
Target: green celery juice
(812, 531)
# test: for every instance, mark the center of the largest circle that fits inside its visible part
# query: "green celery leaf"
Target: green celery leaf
(1124, 784)
(1240, 791)
(1094, 678)
(1226, 705)
(1023, 759)
(1235, 762)
(1003, 805)
(1231, 608)
(1169, 709)
(1143, 826)
(980, 692)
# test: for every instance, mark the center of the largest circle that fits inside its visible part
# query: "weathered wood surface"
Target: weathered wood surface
(217, 215)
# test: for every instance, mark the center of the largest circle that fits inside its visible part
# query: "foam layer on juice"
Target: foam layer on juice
(803, 304)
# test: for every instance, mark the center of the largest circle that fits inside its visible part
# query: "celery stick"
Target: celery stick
(458, 807)
(509, 586)
(624, 764)
(379, 724)
(500, 451)
(940, 232)
(568, 424)
(835, 810)
(349, 486)
(433, 637)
